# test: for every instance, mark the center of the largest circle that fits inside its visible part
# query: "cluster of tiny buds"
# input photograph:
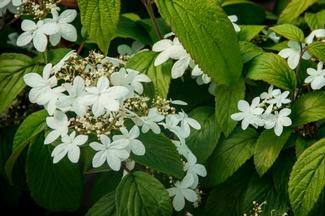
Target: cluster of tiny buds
(163, 106)
(257, 209)
(199, 193)
(88, 124)
(38, 9)
(138, 105)
(171, 179)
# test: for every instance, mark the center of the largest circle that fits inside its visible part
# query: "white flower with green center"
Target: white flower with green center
(112, 153)
(234, 19)
(130, 137)
(182, 191)
(36, 32)
(191, 167)
(250, 114)
(316, 78)
(105, 98)
(59, 124)
(70, 146)
(64, 29)
(293, 53)
(318, 34)
(278, 121)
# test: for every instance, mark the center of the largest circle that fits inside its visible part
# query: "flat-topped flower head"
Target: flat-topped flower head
(316, 77)
(70, 146)
(293, 53)
(60, 125)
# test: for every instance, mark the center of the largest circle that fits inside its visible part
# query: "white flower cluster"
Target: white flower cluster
(55, 28)
(10, 5)
(297, 50)
(266, 111)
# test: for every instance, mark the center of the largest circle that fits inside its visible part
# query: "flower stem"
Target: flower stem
(45, 57)
(148, 5)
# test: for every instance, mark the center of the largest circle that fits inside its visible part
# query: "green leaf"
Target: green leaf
(248, 51)
(273, 69)
(315, 20)
(294, 9)
(161, 155)
(104, 206)
(308, 108)
(289, 31)
(53, 56)
(230, 154)
(307, 179)
(248, 32)
(317, 49)
(140, 194)
(56, 187)
(226, 104)
(203, 142)
(12, 69)
(100, 18)
(267, 149)
(207, 34)
(31, 126)
(160, 75)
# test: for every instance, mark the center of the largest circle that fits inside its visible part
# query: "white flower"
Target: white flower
(69, 146)
(168, 49)
(194, 169)
(234, 19)
(42, 92)
(272, 35)
(37, 33)
(59, 123)
(105, 97)
(10, 5)
(171, 123)
(212, 88)
(250, 114)
(113, 153)
(186, 122)
(316, 77)
(278, 120)
(127, 50)
(182, 148)
(201, 78)
(180, 66)
(293, 53)
(12, 40)
(130, 137)
(318, 33)
(280, 99)
(270, 93)
(75, 100)
(56, 68)
(63, 26)
(178, 102)
(182, 191)
(130, 79)
(150, 122)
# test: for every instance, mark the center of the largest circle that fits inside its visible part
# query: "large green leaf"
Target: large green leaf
(100, 18)
(226, 99)
(12, 68)
(248, 51)
(307, 179)
(140, 194)
(294, 9)
(315, 20)
(317, 49)
(267, 149)
(289, 31)
(248, 32)
(160, 75)
(56, 187)
(161, 155)
(104, 206)
(272, 69)
(308, 108)
(207, 34)
(230, 154)
(203, 142)
(31, 126)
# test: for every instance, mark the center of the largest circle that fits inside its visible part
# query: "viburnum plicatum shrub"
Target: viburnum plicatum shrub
(163, 107)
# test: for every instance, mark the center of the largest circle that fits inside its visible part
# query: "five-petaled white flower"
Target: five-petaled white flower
(105, 97)
(37, 32)
(234, 19)
(130, 79)
(280, 99)
(69, 146)
(130, 137)
(194, 169)
(293, 53)
(250, 114)
(75, 100)
(316, 77)
(318, 33)
(63, 26)
(60, 125)
(186, 122)
(201, 78)
(278, 120)
(150, 122)
(113, 153)
(182, 191)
